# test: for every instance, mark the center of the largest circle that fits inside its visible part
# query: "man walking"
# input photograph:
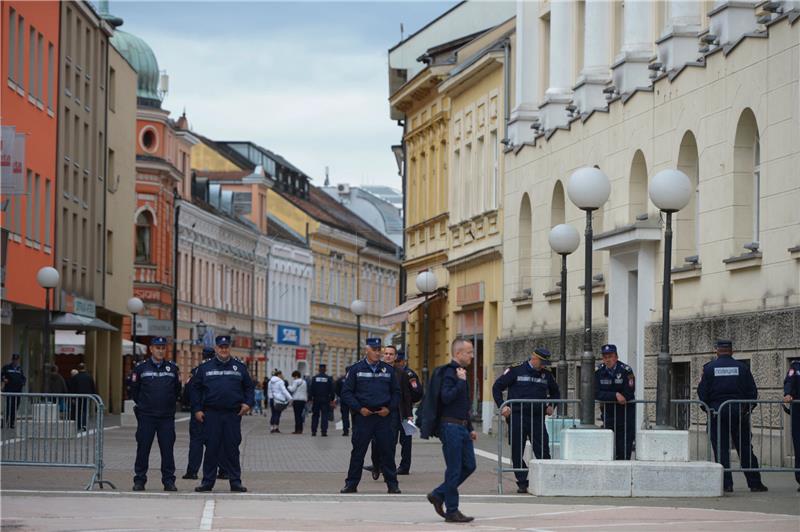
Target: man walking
(13, 381)
(449, 407)
(82, 384)
(155, 388)
(222, 392)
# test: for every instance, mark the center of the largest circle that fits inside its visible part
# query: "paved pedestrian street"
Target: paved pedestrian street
(294, 482)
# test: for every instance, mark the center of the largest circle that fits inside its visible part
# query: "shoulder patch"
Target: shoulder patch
(506, 371)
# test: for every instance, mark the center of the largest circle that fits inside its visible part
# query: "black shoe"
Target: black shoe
(238, 488)
(344, 433)
(728, 489)
(522, 489)
(349, 489)
(170, 487)
(760, 487)
(324, 435)
(368, 468)
(204, 487)
(138, 486)
(402, 471)
(393, 489)
(313, 434)
(437, 503)
(222, 475)
(457, 517)
(798, 489)
(189, 476)
(376, 473)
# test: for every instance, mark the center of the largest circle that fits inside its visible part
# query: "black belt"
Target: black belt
(455, 421)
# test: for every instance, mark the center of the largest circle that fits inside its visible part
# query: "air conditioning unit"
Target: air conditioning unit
(343, 189)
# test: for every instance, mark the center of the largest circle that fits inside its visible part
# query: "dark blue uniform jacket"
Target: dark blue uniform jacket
(155, 388)
(364, 387)
(219, 385)
(609, 382)
(16, 379)
(791, 384)
(322, 388)
(524, 382)
(723, 379)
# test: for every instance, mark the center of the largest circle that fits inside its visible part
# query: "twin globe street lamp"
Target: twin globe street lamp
(426, 284)
(564, 240)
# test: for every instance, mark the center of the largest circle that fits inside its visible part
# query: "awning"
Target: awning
(400, 314)
(76, 322)
(69, 342)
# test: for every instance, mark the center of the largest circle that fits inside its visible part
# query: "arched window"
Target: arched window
(746, 182)
(144, 224)
(556, 217)
(637, 187)
(687, 226)
(525, 234)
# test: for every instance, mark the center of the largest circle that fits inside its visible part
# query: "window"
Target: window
(544, 46)
(64, 232)
(28, 206)
(20, 51)
(31, 61)
(746, 183)
(493, 190)
(68, 39)
(67, 79)
(480, 175)
(87, 62)
(50, 76)
(47, 220)
(12, 37)
(144, 223)
(100, 259)
(457, 185)
(112, 179)
(524, 244)
(39, 66)
(78, 42)
(467, 183)
(37, 212)
(580, 30)
(757, 188)
(112, 89)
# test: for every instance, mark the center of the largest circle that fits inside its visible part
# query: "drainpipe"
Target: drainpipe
(507, 86)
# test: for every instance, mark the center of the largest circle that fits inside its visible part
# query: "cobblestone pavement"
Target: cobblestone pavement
(281, 464)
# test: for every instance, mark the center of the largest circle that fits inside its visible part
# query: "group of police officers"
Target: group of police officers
(378, 394)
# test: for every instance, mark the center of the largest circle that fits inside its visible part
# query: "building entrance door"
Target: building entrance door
(470, 327)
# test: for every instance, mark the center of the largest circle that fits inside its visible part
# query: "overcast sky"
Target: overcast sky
(307, 80)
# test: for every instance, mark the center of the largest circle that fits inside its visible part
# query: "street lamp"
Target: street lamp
(358, 307)
(426, 284)
(670, 191)
(588, 189)
(267, 344)
(47, 278)
(135, 306)
(232, 333)
(201, 328)
(321, 347)
(564, 239)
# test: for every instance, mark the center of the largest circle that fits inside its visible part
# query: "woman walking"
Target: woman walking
(280, 399)
(299, 390)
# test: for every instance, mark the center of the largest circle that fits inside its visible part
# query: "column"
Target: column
(596, 71)
(678, 43)
(630, 68)
(731, 20)
(526, 108)
(559, 92)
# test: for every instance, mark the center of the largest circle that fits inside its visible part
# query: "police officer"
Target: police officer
(222, 392)
(195, 427)
(322, 397)
(791, 392)
(723, 379)
(529, 380)
(410, 393)
(615, 387)
(390, 358)
(343, 408)
(13, 381)
(155, 388)
(371, 392)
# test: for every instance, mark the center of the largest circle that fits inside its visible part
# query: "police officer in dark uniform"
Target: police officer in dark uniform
(155, 388)
(723, 379)
(195, 427)
(791, 392)
(13, 381)
(343, 408)
(615, 383)
(529, 380)
(403, 410)
(410, 393)
(322, 397)
(222, 392)
(371, 392)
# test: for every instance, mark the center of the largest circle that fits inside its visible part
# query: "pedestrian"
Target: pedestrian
(724, 379)
(529, 380)
(222, 392)
(195, 427)
(791, 399)
(155, 388)
(371, 392)
(343, 408)
(299, 390)
(13, 381)
(447, 414)
(615, 387)
(410, 393)
(280, 399)
(81, 384)
(259, 395)
(322, 396)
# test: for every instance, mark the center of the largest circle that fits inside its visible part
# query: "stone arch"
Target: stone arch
(637, 187)
(746, 181)
(687, 220)
(525, 236)
(557, 216)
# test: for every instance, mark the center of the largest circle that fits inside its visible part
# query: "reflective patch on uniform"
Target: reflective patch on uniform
(235, 368)
(156, 374)
(320, 379)
(168, 368)
(370, 375)
(413, 383)
(618, 381)
(216, 373)
(134, 377)
(605, 381)
(631, 381)
(506, 371)
(726, 372)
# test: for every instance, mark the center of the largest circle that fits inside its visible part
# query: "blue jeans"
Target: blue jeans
(459, 459)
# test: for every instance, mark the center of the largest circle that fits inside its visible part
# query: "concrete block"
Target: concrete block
(53, 429)
(662, 446)
(127, 419)
(45, 411)
(580, 478)
(676, 479)
(587, 444)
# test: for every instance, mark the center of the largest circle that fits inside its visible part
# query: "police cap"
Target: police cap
(374, 343)
(542, 353)
(223, 341)
(158, 340)
(609, 348)
(401, 355)
(723, 344)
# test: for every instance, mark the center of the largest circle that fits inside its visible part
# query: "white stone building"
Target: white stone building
(710, 88)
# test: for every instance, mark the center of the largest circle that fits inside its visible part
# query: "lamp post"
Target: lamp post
(426, 284)
(201, 328)
(358, 307)
(47, 278)
(564, 239)
(232, 333)
(321, 347)
(588, 189)
(670, 191)
(135, 306)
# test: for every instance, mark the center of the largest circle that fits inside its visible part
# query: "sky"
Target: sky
(307, 80)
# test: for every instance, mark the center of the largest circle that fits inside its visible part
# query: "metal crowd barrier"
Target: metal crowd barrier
(53, 430)
(757, 429)
(687, 414)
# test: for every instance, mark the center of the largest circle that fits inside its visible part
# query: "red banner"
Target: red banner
(300, 354)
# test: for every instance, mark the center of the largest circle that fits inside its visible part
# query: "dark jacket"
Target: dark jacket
(370, 389)
(723, 379)
(428, 414)
(155, 388)
(13, 378)
(322, 388)
(82, 383)
(56, 383)
(525, 382)
(219, 385)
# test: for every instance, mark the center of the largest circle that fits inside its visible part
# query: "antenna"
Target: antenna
(327, 178)
(401, 31)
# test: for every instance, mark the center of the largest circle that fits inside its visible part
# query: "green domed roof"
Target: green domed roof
(141, 57)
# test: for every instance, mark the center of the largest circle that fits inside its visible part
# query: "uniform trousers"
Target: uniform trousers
(195, 445)
(222, 432)
(734, 424)
(320, 410)
(622, 420)
(365, 428)
(525, 426)
(149, 427)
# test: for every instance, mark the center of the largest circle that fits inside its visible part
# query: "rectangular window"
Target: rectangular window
(99, 251)
(37, 210)
(78, 42)
(47, 220)
(39, 65)
(87, 62)
(75, 239)
(85, 158)
(76, 128)
(12, 38)
(544, 46)
(31, 61)
(68, 39)
(480, 175)
(467, 183)
(28, 206)
(493, 192)
(50, 76)
(64, 232)
(21, 51)
(77, 86)
(112, 91)
(112, 180)
(67, 79)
